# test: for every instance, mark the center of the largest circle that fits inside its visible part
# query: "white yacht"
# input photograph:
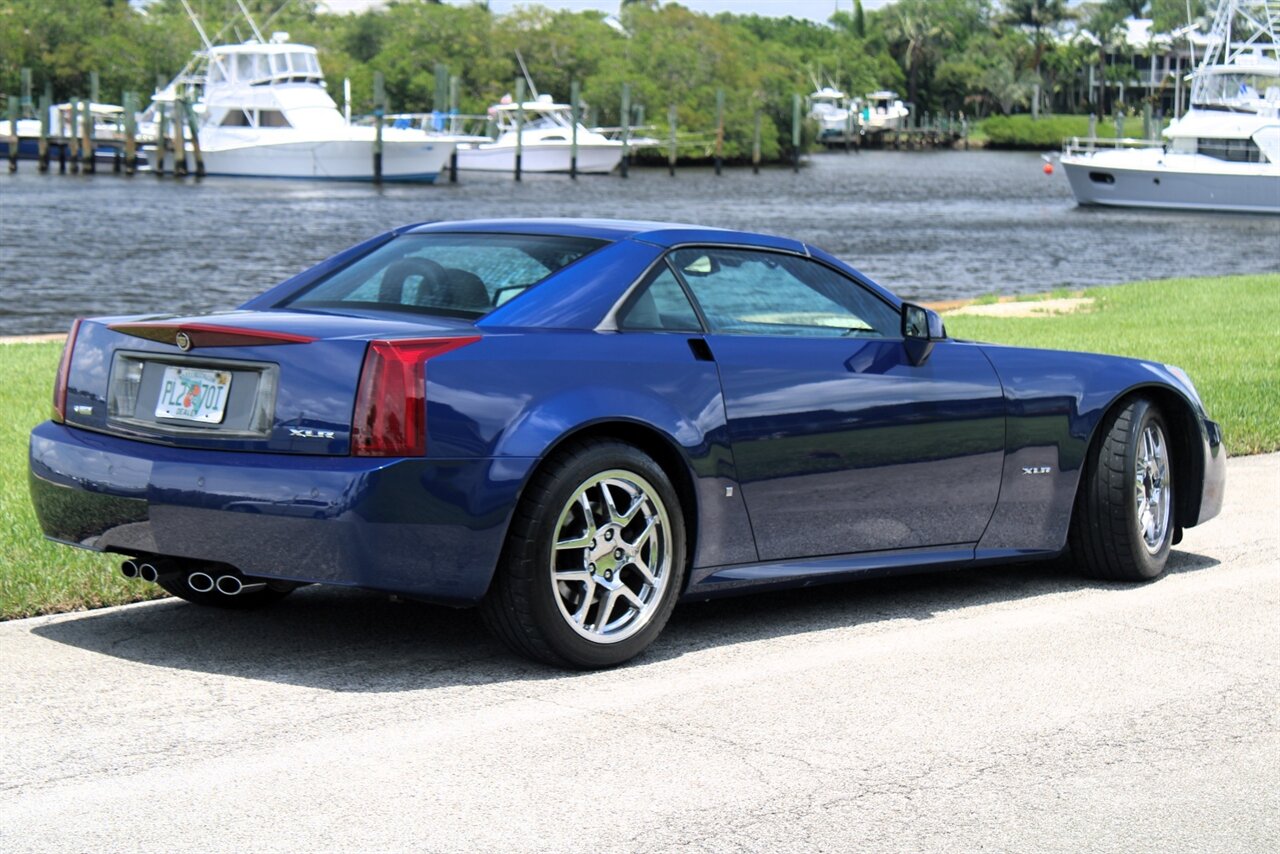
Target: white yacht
(265, 112)
(545, 144)
(829, 107)
(884, 110)
(1224, 153)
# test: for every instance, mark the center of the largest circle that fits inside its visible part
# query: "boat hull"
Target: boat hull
(333, 160)
(592, 159)
(1099, 181)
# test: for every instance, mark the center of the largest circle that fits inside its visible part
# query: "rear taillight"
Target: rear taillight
(64, 369)
(390, 417)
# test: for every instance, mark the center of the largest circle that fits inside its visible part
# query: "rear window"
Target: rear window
(457, 275)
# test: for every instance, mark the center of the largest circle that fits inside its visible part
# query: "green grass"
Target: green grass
(36, 576)
(1022, 131)
(1224, 332)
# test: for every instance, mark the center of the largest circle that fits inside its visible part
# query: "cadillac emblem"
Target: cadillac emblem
(183, 340)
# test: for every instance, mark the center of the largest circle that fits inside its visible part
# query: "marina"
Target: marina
(932, 225)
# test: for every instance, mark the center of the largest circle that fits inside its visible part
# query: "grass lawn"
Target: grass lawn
(1225, 332)
(36, 576)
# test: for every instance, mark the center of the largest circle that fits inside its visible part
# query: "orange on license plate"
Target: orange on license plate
(194, 394)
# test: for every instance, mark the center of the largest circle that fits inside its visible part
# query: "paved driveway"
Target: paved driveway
(1006, 708)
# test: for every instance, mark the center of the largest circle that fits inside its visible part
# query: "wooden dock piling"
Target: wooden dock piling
(379, 110)
(626, 129)
(73, 135)
(87, 162)
(454, 83)
(179, 139)
(575, 94)
(42, 145)
(130, 133)
(161, 141)
(519, 127)
(194, 128)
(13, 133)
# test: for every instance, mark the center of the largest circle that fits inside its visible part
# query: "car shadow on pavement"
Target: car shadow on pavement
(356, 641)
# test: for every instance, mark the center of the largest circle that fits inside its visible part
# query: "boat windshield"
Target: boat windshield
(454, 275)
(1240, 91)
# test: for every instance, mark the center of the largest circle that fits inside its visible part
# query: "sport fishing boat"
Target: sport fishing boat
(828, 107)
(883, 111)
(545, 140)
(1224, 153)
(265, 112)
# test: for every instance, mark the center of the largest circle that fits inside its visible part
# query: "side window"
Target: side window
(765, 293)
(661, 304)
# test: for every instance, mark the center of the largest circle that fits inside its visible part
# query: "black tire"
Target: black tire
(176, 585)
(1107, 532)
(529, 611)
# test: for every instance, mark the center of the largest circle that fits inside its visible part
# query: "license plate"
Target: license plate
(194, 394)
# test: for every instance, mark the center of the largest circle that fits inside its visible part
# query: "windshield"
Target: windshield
(455, 275)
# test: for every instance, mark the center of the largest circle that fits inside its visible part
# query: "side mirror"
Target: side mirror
(921, 327)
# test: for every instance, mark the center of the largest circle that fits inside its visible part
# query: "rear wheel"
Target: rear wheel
(594, 561)
(1123, 524)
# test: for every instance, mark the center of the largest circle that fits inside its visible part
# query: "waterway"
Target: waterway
(929, 225)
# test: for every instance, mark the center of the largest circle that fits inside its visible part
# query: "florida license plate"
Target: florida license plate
(194, 394)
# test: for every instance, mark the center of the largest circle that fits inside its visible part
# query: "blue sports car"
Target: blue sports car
(575, 424)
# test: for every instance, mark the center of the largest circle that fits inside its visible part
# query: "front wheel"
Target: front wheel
(1123, 524)
(594, 561)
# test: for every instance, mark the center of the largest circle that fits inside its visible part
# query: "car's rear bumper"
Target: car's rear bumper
(1215, 472)
(427, 528)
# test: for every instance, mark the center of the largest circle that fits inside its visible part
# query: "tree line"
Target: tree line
(944, 56)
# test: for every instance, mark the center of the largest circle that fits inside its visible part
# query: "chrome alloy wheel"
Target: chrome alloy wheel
(612, 556)
(1151, 487)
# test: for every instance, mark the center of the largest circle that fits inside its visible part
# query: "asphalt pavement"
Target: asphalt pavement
(999, 709)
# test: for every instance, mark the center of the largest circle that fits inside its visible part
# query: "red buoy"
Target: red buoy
(1048, 168)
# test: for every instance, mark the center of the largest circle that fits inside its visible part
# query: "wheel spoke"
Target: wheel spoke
(606, 609)
(588, 596)
(575, 576)
(631, 596)
(650, 523)
(643, 569)
(617, 518)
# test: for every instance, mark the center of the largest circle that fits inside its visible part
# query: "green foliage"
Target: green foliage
(971, 56)
(1022, 131)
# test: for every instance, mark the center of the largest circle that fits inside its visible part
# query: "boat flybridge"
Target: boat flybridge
(829, 107)
(264, 111)
(545, 141)
(1224, 153)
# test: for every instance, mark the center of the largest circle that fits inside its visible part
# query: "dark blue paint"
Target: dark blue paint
(807, 459)
(843, 446)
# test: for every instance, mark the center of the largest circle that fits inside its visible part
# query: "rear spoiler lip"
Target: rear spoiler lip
(189, 336)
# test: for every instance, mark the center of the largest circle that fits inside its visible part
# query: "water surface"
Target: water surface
(929, 225)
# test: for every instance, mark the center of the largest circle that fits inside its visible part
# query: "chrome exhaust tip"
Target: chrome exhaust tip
(200, 582)
(229, 585)
(129, 569)
(148, 572)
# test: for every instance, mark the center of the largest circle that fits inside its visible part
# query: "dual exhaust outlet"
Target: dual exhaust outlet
(228, 584)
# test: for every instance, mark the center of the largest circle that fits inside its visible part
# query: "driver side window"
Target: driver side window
(752, 292)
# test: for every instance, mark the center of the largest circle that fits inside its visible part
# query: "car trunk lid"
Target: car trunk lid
(280, 381)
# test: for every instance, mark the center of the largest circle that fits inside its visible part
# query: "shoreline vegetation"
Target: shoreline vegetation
(1218, 329)
(988, 61)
